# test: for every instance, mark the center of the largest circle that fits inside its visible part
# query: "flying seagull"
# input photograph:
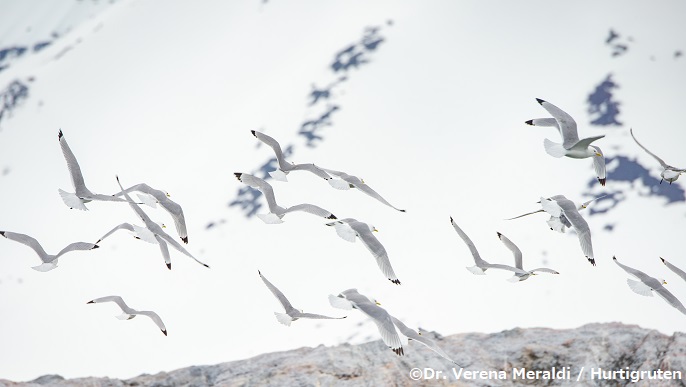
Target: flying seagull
(352, 299)
(356, 182)
(285, 167)
(646, 285)
(518, 261)
(291, 314)
(571, 145)
(129, 313)
(481, 265)
(411, 334)
(49, 261)
(559, 205)
(669, 172)
(160, 236)
(163, 199)
(349, 229)
(675, 269)
(82, 194)
(276, 212)
(560, 223)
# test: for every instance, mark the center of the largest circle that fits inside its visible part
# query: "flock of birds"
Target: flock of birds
(563, 213)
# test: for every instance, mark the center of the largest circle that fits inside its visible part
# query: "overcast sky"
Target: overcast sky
(166, 93)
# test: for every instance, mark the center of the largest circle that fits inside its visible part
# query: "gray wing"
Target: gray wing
(504, 267)
(659, 160)
(277, 293)
(28, 241)
(165, 251)
(528, 213)
(275, 146)
(311, 168)
(116, 299)
(515, 250)
(77, 246)
(73, 165)
(263, 186)
(477, 258)
(173, 208)
(544, 270)
(125, 226)
(641, 276)
(583, 144)
(376, 248)
(675, 269)
(369, 191)
(586, 203)
(547, 122)
(311, 209)
(599, 166)
(582, 229)
(382, 320)
(298, 314)
(178, 246)
(565, 122)
(155, 318)
(670, 298)
(413, 335)
(139, 211)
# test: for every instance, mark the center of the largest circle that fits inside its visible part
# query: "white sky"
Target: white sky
(166, 92)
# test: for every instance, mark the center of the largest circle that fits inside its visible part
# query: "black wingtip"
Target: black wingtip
(591, 260)
(662, 259)
(164, 331)
(602, 181)
(169, 266)
(2, 233)
(95, 247)
(614, 258)
(253, 133)
(402, 210)
(259, 272)
(60, 135)
(399, 351)
(332, 216)
(451, 220)
(530, 122)
(395, 281)
(90, 302)
(238, 175)
(206, 265)
(540, 101)
(499, 234)
(185, 240)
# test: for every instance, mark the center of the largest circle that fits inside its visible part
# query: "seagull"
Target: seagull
(481, 266)
(349, 229)
(571, 146)
(518, 261)
(161, 237)
(647, 285)
(356, 182)
(560, 223)
(352, 299)
(286, 167)
(131, 313)
(669, 172)
(675, 269)
(82, 194)
(49, 261)
(559, 206)
(163, 199)
(277, 212)
(411, 334)
(291, 314)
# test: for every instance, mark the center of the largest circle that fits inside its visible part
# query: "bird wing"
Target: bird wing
(178, 246)
(670, 298)
(659, 160)
(277, 293)
(515, 250)
(311, 168)
(165, 251)
(116, 299)
(528, 213)
(299, 314)
(675, 269)
(155, 318)
(125, 226)
(73, 165)
(582, 229)
(469, 243)
(28, 241)
(263, 186)
(344, 231)
(369, 191)
(565, 122)
(382, 320)
(413, 335)
(272, 143)
(77, 246)
(376, 248)
(599, 165)
(311, 209)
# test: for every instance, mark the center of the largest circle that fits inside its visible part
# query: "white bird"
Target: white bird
(163, 199)
(352, 299)
(646, 285)
(481, 265)
(349, 229)
(82, 194)
(49, 261)
(411, 334)
(518, 261)
(356, 182)
(161, 237)
(291, 314)
(675, 269)
(276, 212)
(571, 145)
(669, 172)
(560, 223)
(285, 167)
(129, 313)
(559, 205)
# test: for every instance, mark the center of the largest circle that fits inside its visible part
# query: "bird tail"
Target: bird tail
(554, 149)
(283, 318)
(476, 270)
(270, 218)
(45, 266)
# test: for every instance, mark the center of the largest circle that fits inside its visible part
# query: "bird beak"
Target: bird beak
(168, 195)
(598, 154)
(164, 226)
(377, 303)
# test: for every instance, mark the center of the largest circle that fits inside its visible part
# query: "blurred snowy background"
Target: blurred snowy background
(424, 100)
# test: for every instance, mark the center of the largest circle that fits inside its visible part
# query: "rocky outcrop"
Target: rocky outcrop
(610, 355)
